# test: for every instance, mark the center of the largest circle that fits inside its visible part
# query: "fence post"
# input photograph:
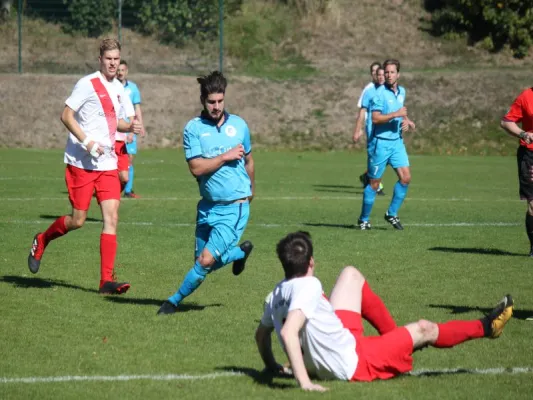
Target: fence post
(221, 35)
(119, 21)
(19, 23)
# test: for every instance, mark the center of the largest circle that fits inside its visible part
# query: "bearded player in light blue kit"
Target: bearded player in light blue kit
(389, 120)
(218, 150)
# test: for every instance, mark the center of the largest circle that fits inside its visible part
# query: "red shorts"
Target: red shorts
(380, 357)
(82, 183)
(123, 162)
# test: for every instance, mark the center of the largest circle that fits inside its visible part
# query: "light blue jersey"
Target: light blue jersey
(368, 95)
(132, 90)
(386, 102)
(202, 138)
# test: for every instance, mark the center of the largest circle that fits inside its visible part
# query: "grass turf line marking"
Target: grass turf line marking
(215, 375)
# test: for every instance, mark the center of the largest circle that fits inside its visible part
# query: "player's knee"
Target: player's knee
(352, 273)
(405, 179)
(428, 330)
(206, 260)
(374, 183)
(111, 220)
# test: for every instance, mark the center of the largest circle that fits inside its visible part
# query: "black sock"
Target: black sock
(529, 228)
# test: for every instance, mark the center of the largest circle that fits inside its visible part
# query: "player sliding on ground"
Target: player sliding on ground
(323, 337)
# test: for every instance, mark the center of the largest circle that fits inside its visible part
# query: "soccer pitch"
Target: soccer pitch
(462, 249)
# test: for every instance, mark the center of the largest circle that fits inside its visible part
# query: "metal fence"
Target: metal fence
(37, 44)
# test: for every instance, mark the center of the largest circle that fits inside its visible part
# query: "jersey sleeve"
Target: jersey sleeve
(377, 103)
(515, 113)
(136, 96)
(307, 297)
(247, 142)
(126, 104)
(83, 90)
(191, 142)
(266, 319)
(367, 98)
(360, 101)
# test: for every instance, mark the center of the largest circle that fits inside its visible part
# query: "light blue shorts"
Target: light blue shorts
(219, 227)
(385, 152)
(131, 148)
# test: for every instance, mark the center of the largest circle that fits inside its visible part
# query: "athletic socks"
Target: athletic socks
(454, 332)
(108, 252)
(369, 196)
(374, 311)
(129, 186)
(57, 229)
(233, 255)
(192, 281)
(400, 191)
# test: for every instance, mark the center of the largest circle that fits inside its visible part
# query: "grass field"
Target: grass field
(463, 248)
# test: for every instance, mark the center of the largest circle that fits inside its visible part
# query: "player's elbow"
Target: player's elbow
(503, 124)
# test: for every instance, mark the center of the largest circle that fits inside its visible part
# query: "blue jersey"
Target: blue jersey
(202, 138)
(132, 90)
(386, 102)
(368, 95)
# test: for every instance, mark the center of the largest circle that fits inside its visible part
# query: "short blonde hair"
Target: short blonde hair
(109, 44)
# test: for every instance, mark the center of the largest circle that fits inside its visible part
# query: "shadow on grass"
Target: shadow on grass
(27, 283)
(157, 302)
(517, 314)
(344, 226)
(261, 377)
(88, 219)
(476, 250)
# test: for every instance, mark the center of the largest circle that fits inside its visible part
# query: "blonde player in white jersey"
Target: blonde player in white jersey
(323, 338)
(93, 115)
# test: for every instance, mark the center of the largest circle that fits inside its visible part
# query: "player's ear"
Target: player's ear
(312, 263)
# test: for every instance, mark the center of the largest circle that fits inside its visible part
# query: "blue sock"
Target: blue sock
(192, 281)
(129, 185)
(369, 196)
(234, 254)
(400, 191)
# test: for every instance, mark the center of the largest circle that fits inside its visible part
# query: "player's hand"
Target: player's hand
(234, 154)
(357, 136)
(314, 387)
(402, 112)
(405, 126)
(137, 127)
(279, 370)
(529, 138)
(411, 125)
(129, 138)
(95, 149)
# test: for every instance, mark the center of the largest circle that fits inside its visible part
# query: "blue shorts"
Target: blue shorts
(131, 148)
(219, 227)
(384, 152)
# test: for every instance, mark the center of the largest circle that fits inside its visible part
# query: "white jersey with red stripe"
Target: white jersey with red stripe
(98, 104)
(328, 347)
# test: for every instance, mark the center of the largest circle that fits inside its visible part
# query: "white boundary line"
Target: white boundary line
(215, 375)
(309, 225)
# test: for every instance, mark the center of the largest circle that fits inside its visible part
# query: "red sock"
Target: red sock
(57, 229)
(454, 332)
(108, 251)
(374, 311)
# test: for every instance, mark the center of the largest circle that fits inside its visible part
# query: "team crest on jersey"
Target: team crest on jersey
(400, 98)
(230, 131)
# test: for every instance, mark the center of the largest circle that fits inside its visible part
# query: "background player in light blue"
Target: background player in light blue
(389, 119)
(131, 90)
(364, 117)
(218, 150)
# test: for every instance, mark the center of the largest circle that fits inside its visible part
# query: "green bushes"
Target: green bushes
(495, 23)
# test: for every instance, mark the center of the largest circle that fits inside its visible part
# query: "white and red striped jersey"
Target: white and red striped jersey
(328, 347)
(98, 105)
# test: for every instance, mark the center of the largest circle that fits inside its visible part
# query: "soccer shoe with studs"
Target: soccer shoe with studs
(111, 287)
(496, 320)
(394, 221)
(238, 265)
(36, 253)
(167, 308)
(363, 225)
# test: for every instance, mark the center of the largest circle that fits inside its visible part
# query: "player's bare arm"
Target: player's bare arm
(68, 119)
(513, 129)
(379, 118)
(201, 166)
(134, 126)
(263, 339)
(250, 170)
(358, 132)
(291, 341)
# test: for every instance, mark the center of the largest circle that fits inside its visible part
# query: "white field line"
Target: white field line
(296, 224)
(215, 375)
(280, 198)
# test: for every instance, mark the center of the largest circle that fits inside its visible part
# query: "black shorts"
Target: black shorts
(524, 158)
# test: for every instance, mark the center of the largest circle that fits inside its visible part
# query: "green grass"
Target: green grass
(54, 323)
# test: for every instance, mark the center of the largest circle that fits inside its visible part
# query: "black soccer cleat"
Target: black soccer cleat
(111, 287)
(495, 321)
(394, 221)
(380, 192)
(238, 266)
(363, 178)
(364, 225)
(36, 253)
(167, 308)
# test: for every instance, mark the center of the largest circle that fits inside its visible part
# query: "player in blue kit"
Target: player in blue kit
(132, 90)
(389, 120)
(218, 150)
